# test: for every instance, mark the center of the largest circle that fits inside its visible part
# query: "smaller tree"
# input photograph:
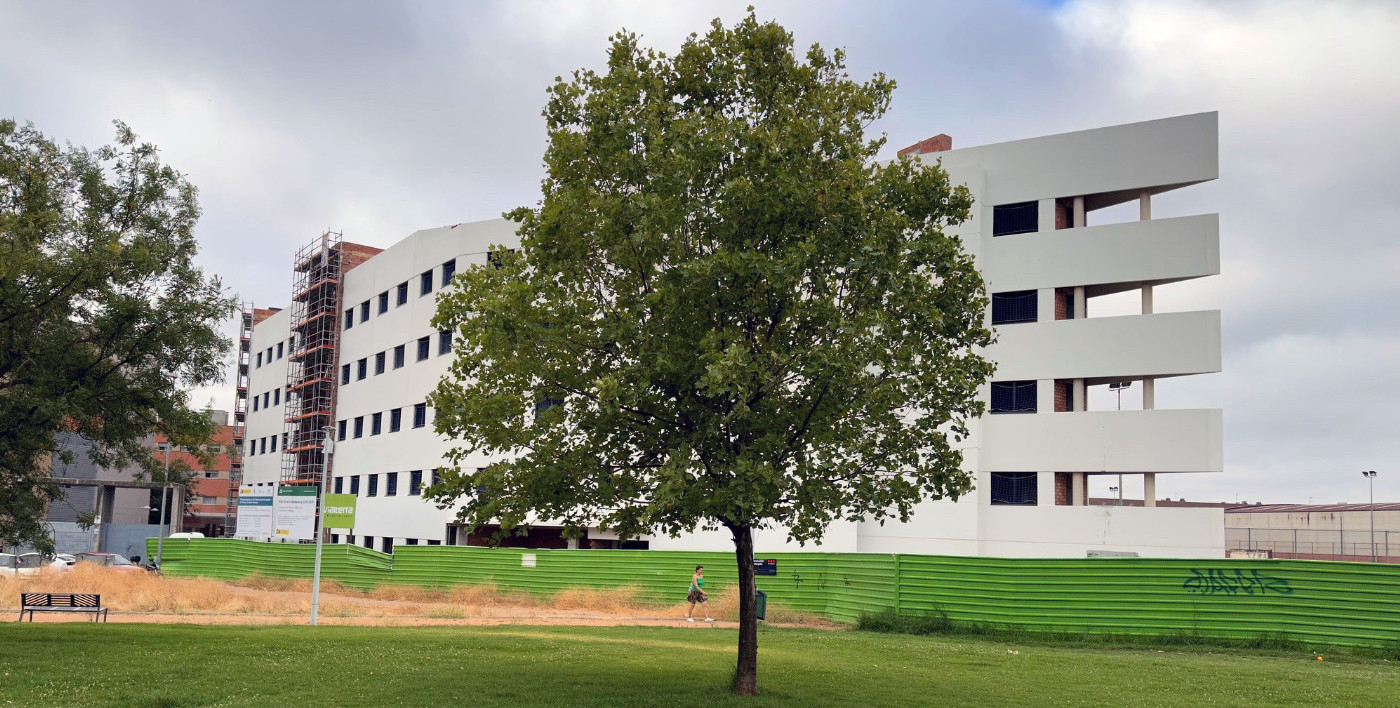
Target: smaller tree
(106, 322)
(724, 313)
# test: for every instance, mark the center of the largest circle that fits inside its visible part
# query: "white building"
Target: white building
(1045, 262)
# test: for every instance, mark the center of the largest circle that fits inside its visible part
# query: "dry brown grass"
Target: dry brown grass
(148, 593)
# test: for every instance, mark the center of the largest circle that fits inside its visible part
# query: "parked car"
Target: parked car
(30, 563)
(109, 560)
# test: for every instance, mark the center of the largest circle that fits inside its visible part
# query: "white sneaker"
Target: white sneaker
(709, 619)
(690, 619)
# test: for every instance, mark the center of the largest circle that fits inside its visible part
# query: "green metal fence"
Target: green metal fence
(1318, 601)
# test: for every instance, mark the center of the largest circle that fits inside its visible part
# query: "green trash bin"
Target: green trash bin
(761, 599)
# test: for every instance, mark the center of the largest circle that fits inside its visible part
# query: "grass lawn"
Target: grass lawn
(74, 664)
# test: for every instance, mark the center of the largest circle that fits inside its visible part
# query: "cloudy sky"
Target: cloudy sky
(382, 118)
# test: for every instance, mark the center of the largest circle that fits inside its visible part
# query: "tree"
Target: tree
(723, 313)
(105, 321)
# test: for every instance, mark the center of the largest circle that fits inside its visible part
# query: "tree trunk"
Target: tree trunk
(746, 675)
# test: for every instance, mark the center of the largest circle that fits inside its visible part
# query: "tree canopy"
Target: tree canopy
(105, 320)
(724, 312)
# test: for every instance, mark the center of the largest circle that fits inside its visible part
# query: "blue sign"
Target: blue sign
(765, 566)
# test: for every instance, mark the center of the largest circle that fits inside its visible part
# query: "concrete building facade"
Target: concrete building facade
(1045, 262)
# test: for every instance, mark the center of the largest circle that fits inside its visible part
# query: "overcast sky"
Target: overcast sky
(379, 119)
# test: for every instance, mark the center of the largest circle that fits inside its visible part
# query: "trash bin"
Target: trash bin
(761, 603)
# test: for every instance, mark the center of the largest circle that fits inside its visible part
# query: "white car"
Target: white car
(30, 563)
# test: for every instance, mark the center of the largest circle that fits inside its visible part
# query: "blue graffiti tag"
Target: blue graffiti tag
(1240, 582)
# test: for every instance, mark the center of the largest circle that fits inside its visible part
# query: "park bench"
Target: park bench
(32, 602)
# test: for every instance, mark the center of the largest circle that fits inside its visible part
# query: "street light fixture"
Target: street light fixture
(1370, 476)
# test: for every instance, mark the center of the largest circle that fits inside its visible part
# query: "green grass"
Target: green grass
(51, 664)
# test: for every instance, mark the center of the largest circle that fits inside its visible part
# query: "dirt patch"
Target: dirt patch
(146, 597)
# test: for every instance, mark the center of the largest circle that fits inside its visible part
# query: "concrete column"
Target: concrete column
(1147, 299)
(1145, 206)
(1045, 489)
(1077, 489)
(1045, 305)
(1149, 489)
(1081, 303)
(1045, 396)
(1149, 393)
(1045, 215)
(1079, 215)
(1081, 396)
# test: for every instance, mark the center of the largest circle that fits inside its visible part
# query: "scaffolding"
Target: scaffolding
(240, 414)
(314, 358)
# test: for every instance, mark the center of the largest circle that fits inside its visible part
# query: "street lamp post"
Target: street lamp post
(164, 485)
(327, 448)
(1370, 476)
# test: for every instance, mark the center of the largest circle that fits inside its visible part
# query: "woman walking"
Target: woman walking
(697, 594)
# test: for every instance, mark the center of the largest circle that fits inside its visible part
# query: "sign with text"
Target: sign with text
(340, 511)
(254, 512)
(765, 566)
(296, 513)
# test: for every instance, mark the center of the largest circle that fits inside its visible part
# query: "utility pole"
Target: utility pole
(327, 448)
(1370, 476)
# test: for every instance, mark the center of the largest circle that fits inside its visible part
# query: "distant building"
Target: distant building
(205, 504)
(1316, 531)
(356, 353)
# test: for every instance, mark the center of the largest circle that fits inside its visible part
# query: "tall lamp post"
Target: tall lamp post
(327, 449)
(165, 484)
(1370, 476)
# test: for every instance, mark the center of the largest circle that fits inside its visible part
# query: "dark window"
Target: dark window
(364, 310)
(423, 347)
(437, 475)
(263, 450)
(274, 443)
(276, 396)
(395, 420)
(494, 258)
(267, 398)
(1014, 488)
(411, 541)
(259, 366)
(257, 400)
(398, 356)
(350, 318)
(284, 441)
(384, 302)
(376, 423)
(448, 269)
(1020, 218)
(355, 485)
(279, 349)
(391, 484)
(369, 542)
(434, 542)
(268, 357)
(379, 363)
(359, 426)
(415, 482)
(420, 415)
(1013, 396)
(425, 283)
(444, 341)
(1010, 308)
(373, 486)
(361, 368)
(341, 432)
(545, 404)
(335, 537)
(387, 545)
(345, 374)
(339, 485)
(403, 294)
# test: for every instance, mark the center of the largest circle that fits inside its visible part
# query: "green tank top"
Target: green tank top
(698, 583)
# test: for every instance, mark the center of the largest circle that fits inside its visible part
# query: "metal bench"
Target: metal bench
(32, 602)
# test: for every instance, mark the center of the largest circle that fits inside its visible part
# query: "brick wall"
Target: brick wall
(1063, 484)
(1064, 299)
(938, 143)
(1064, 395)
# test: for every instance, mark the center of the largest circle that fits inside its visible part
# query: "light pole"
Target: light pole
(164, 485)
(1370, 476)
(1119, 386)
(327, 448)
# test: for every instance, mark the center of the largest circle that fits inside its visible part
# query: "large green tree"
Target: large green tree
(724, 312)
(105, 321)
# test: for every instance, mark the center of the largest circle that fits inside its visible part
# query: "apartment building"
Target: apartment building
(1046, 261)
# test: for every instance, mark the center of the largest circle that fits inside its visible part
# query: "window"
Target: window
(211, 474)
(274, 443)
(259, 366)
(279, 349)
(384, 302)
(391, 484)
(284, 441)
(355, 485)
(448, 269)
(420, 415)
(276, 396)
(387, 545)
(395, 420)
(339, 485)
(268, 356)
(1013, 396)
(1010, 308)
(267, 397)
(364, 310)
(361, 369)
(345, 374)
(1022, 218)
(1014, 488)
(434, 542)
(375, 423)
(494, 258)
(373, 486)
(359, 426)
(369, 542)
(425, 283)
(263, 450)
(437, 475)
(206, 500)
(422, 348)
(403, 294)
(350, 318)
(398, 356)
(411, 541)
(335, 537)
(341, 430)
(415, 483)
(444, 341)
(379, 363)
(256, 401)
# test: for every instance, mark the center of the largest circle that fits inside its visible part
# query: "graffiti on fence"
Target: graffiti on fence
(1239, 582)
